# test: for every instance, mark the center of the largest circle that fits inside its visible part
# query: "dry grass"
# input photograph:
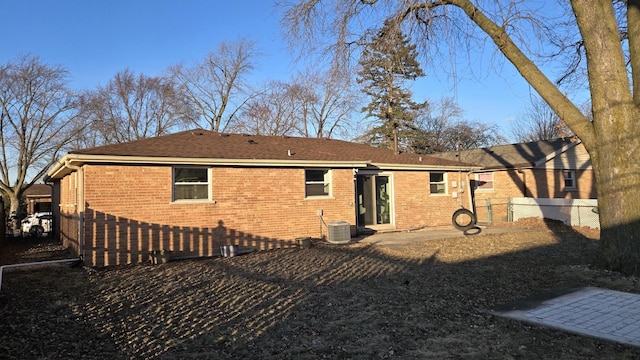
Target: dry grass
(426, 300)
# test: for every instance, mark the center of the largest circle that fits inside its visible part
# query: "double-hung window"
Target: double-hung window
(191, 183)
(569, 177)
(437, 182)
(484, 181)
(317, 182)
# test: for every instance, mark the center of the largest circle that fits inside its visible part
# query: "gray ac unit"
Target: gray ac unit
(339, 232)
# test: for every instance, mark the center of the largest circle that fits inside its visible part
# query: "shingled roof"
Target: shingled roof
(38, 190)
(510, 156)
(213, 145)
(207, 148)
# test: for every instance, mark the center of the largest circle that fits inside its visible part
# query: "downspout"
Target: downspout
(524, 182)
(468, 185)
(472, 207)
(356, 206)
(79, 206)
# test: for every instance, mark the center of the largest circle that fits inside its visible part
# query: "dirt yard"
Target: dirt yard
(427, 300)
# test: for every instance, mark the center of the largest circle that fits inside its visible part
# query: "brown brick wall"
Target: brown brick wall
(68, 226)
(255, 207)
(539, 183)
(550, 184)
(416, 207)
(129, 210)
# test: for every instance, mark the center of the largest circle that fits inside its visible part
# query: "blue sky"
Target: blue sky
(94, 40)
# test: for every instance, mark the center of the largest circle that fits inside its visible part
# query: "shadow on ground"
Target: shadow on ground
(423, 300)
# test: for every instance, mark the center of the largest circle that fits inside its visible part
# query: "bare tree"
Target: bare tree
(132, 107)
(328, 101)
(312, 104)
(37, 121)
(217, 86)
(466, 135)
(596, 41)
(274, 111)
(539, 122)
(444, 128)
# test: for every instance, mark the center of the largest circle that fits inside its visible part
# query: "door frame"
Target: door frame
(361, 224)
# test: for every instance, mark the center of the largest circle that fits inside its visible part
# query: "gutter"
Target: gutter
(61, 168)
(72, 161)
(35, 264)
(389, 166)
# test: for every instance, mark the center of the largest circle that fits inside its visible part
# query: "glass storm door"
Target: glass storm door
(374, 200)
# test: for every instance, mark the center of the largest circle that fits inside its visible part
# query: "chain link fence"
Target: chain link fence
(490, 210)
(574, 212)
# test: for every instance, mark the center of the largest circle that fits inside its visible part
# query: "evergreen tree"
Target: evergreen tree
(386, 63)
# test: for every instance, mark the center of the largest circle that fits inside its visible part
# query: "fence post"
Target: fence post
(489, 211)
(579, 215)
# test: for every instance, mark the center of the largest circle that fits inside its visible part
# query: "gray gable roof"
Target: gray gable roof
(509, 156)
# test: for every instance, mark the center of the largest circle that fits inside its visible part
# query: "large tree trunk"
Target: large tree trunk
(619, 220)
(615, 149)
(14, 211)
(618, 183)
(14, 203)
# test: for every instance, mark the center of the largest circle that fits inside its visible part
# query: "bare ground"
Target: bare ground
(426, 300)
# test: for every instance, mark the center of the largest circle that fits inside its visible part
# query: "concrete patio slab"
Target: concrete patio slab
(392, 238)
(595, 312)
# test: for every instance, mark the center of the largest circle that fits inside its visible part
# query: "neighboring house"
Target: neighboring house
(38, 198)
(559, 169)
(194, 191)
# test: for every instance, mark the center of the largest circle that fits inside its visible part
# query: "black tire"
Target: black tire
(36, 231)
(463, 219)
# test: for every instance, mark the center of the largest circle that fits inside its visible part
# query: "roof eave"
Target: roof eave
(67, 164)
(557, 153)
(70, 162)
(392, 166)
(510, 167)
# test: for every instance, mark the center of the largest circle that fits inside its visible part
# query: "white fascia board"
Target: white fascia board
(424, 167)
(57, 169)
(556, 153)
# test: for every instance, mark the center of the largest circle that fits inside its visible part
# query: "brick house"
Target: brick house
(558, 169)
(194, 191)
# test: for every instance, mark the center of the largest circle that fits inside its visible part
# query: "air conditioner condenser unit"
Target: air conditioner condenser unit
(339, 232)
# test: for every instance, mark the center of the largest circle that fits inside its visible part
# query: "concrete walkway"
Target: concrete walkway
(595, 312)
(407, 237)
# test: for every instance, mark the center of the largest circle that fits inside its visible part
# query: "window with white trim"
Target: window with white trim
(191, 183)
(437, 182)
(484, 181)
(317, 182)
(569, 177)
